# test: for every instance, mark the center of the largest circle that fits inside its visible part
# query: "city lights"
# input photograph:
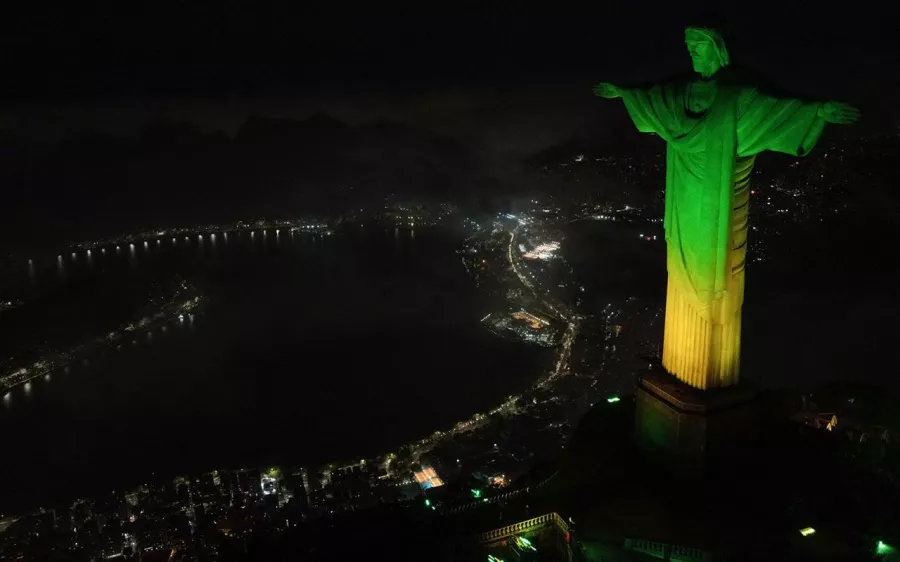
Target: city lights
(542, 251)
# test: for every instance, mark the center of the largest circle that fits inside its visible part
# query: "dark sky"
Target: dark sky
(438, 64)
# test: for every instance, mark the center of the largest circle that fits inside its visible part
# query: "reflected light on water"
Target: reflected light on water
(47, 377)
(174, 241)
(146, 245)
(27, 387)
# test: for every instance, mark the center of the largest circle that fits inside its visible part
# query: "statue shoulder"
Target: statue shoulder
(673, 83)
(753, 83)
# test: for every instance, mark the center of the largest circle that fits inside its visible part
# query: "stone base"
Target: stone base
(687, 429)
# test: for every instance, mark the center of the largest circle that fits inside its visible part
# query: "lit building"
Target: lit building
(427, 478)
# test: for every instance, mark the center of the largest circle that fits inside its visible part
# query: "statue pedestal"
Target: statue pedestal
(688, 430)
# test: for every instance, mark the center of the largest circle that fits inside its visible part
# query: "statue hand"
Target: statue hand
(606, 90)
(839, 113)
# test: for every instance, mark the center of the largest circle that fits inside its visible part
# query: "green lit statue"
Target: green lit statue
(714, 127)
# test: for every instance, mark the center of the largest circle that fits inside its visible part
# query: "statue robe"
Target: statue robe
(709, 159)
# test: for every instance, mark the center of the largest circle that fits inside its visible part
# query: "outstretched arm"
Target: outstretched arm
(838, 113)
(656, 109)
(607, 90)
(785, 125)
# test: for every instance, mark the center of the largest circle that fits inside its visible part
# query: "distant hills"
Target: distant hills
(172, 173)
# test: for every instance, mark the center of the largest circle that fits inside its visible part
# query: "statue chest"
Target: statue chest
(700, 97)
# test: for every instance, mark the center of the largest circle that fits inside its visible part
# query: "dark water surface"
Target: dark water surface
(309, 349)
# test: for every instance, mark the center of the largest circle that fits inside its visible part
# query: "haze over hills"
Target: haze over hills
(171, 173)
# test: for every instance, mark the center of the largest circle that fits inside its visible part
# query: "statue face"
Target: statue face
(703, 56)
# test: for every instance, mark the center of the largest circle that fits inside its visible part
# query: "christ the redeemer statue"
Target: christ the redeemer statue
(713, 130)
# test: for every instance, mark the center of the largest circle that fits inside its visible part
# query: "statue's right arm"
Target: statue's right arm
(607, 90)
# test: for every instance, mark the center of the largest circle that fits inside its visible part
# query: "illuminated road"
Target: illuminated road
(514, 263)
(564, 350)
(561, 368)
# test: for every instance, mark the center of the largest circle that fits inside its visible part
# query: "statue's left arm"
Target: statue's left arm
(785, 125)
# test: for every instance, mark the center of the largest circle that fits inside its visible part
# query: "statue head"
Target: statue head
(707, 49)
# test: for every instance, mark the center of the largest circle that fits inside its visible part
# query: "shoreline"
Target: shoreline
(168, 311)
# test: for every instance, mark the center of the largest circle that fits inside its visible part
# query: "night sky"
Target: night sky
(110, 70)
